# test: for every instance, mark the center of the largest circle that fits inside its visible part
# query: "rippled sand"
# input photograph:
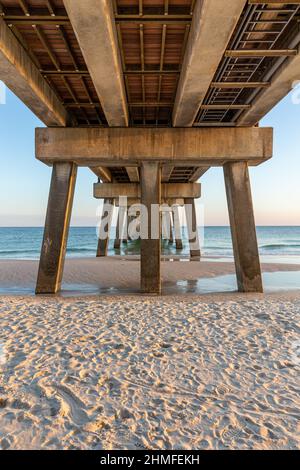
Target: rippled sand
(140, 373)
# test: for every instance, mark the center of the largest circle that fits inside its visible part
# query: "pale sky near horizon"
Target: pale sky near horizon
(24, 182)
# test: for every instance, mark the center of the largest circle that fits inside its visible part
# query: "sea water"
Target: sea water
(277, 244)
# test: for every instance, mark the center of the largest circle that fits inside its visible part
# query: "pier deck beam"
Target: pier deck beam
(191, 219)
(96, 147)
(243, 231)
(24, 79)
(105, 226)
(151, 247)
(56, 228)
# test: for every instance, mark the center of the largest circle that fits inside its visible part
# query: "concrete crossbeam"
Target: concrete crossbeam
(133, 190)
(124, 146)
(137, 201)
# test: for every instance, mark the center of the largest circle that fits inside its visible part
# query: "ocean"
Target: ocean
(275, 243)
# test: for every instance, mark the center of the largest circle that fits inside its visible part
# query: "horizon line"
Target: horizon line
(113, 226)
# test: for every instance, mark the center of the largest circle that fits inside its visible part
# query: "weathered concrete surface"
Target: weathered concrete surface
(198, 173)
(120, 228)
(151, 248)
(167, 223)
(117, 242)
(133, 190)
(134, 201)
(177, 228)
(133, 174)
(191, 219)
(212, 27)
(166, 173)
(283, 81)
(103, 173)
(56, 228)
(119, 146)
(105, 226)
(243, 227)
(130, 219)
(171, 237)
(24, 79)
(94, 26)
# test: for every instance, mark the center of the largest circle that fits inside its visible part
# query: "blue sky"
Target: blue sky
(24, 182)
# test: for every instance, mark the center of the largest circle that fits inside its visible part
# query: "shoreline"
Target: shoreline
(119, 276)
(125, 270)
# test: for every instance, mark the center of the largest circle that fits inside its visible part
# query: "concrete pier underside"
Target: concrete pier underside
(148, 93)
(149, 151)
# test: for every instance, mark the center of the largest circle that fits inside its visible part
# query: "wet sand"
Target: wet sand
(104, 274)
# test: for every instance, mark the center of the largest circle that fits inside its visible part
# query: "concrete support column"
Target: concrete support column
(191, 219)
(56, 230)
(243, 227)
(171, 237)
(151, 247)
(121, 236)
(124, 236)
(177, 228)
(130, 218)
(165, 224)
(105, 226)
(117, 243)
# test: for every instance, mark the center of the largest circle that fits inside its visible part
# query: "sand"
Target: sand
(149, 374)
(133, 372)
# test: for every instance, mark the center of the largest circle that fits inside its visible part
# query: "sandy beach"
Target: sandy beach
(149, 133)
(218, 371)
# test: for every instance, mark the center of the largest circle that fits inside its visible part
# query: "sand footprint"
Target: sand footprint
(72, 406)
(231, 434)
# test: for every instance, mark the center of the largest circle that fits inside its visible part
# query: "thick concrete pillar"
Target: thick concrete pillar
(105, 226)
(130, 218)
(171, 237)
(117, 243)
(177, 228)
(151, 245)
(56, 228)
(243, 227)
(121, 236)
(191, 219)
(125, 226)
(165, 224)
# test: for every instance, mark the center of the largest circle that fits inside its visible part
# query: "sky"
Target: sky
(24, 181)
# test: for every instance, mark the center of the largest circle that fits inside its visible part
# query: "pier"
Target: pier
(150, 95)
